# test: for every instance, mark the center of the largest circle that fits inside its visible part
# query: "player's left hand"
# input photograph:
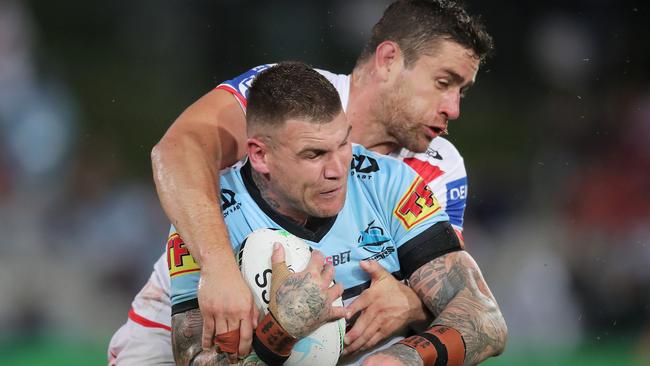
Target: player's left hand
(386, 307)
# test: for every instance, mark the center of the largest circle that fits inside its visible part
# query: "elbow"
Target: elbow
(501, 332)
(158, 154)
(163, 155)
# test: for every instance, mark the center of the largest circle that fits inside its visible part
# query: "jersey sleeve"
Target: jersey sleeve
(184, 274)
(419, 225)
(442, 167)
(453, 187)
(240, 85)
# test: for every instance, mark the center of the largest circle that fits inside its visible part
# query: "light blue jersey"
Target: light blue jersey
(390, 215)
(441, 165)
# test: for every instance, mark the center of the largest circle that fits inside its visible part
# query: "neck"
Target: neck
(262, 183)
(367, 129)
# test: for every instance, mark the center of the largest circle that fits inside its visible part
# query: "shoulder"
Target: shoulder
(341, 83)
(240, 84)
(442, 145)
(338, 80)
(441, 160)
(440, 151)
(364, 158)
(377, 170)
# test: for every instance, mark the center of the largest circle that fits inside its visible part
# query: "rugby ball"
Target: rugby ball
(324, 345)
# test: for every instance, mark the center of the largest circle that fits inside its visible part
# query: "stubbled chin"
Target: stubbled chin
(421, 145)
(329, 209)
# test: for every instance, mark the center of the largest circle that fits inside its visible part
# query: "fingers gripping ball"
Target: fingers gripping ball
(324, 345)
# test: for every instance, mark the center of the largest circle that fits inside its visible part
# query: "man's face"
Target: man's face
(417, 106)
(309, 166)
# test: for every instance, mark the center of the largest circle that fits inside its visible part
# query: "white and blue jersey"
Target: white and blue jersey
(441, 165)
(390, 215)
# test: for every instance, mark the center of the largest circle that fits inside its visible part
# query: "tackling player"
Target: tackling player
(407, 84)
(297, 177)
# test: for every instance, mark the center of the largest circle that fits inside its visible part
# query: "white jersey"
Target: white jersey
(441, 166)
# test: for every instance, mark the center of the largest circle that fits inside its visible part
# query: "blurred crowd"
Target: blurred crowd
(555, 139)
(78, 236)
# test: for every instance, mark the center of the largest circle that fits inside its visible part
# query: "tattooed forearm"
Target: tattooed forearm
(454, 290)
(407, 355)
(300, 303)
(187, 328)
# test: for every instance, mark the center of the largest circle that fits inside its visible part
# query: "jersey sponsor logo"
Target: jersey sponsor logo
(416, 205)
(179, 259)
(362, 166)
(456, 199)
(336, 259)
(433, 154)
(228, 202)
(373, 240)
(457, 190)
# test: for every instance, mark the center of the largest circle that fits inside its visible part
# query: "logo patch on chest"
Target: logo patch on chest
(373, 240)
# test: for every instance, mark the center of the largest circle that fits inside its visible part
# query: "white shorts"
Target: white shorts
(134, 345)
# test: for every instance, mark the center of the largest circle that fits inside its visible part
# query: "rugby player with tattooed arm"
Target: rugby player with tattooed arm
(297, 177)
(422, 57)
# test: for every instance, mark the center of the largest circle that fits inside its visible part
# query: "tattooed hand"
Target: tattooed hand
(385, 308)
(303, 300)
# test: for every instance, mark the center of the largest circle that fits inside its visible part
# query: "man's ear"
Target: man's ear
(257, 151)
(388, 61)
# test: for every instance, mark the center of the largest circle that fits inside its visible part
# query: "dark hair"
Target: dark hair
(415, 25)
(291, 90)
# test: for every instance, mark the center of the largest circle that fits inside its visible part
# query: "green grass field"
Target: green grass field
(53, 352)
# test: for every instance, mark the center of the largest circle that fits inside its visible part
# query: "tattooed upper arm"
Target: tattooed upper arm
(454, 290)
(440, 280)
(187, 329)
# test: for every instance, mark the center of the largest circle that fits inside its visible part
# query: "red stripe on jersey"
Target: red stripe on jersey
(234, 92)
(146, 322)
(460, 235)
(426, 171)
(112, 357)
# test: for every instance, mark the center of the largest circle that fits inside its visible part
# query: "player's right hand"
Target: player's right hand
(383, 309)
(302, 301)
(226, 304)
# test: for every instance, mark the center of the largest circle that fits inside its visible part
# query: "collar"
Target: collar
(315, 228)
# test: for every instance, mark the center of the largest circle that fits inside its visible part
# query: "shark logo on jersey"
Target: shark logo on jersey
(373, 240)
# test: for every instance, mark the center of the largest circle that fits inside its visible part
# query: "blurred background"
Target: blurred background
(555, 135)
